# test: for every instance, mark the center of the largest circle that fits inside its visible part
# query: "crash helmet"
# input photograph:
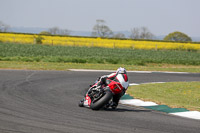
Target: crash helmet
(122, 77)
(121, 70)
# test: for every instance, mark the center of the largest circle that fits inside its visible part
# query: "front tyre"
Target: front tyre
(81, 103)
(102, 101)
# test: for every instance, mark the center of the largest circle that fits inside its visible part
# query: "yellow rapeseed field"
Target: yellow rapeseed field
(96, 42)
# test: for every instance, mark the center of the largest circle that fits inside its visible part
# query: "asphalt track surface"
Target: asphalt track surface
(47, 102)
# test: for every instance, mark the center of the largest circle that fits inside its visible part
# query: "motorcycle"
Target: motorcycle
(100, 96)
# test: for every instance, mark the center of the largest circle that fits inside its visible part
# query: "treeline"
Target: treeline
(101, 29)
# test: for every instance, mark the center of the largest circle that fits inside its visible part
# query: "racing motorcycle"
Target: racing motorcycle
(100, 96)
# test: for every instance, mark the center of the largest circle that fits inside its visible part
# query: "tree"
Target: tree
(58, 31)
(119, 35)
(135, 33)
(45, 33)
(100, 29)
(64, 32)
(54, 30)
(145, 33)
(39, 40)
(177, 36)
(4, 27)
(141, 33)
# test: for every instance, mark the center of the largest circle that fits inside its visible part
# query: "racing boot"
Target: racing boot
(114, 105)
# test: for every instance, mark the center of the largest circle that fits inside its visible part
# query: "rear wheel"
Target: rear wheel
(96, 105)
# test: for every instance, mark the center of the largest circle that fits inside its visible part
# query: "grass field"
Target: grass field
(94, 55)
(175, 94)
(97, 42)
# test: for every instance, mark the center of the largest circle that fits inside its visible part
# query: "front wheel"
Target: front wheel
(81, 103)
(102, 101)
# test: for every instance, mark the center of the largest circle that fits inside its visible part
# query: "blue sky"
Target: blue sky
(159, 16)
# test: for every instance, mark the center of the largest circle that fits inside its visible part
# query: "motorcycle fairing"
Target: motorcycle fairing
(87, 101)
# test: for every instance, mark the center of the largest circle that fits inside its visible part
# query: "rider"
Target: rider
(119, 76)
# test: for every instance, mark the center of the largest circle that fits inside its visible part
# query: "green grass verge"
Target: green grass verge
(65, 66)
(174, 94)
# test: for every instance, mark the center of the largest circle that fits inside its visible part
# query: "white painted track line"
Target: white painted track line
(188, 114)
(137, 102)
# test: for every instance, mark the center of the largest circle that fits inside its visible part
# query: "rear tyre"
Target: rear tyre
(101, 102)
